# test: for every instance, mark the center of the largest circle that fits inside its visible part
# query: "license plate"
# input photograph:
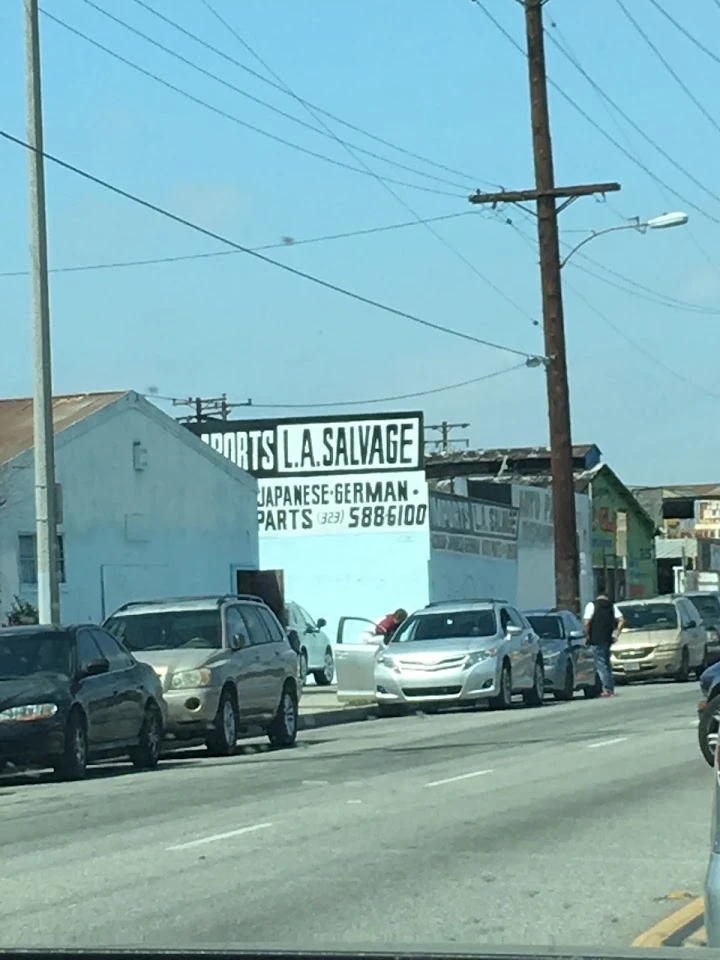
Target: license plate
(632, 667)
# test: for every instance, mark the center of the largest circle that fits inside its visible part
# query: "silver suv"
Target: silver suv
(225, 663)
(460, 651)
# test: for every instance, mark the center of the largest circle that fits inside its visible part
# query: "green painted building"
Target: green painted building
(623, 536)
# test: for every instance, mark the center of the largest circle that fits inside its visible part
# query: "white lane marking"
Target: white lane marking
(220, 836)
(462, 776)
(606, 743)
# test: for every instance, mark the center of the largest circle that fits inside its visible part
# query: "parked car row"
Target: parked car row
(183, 670)
(464, 653)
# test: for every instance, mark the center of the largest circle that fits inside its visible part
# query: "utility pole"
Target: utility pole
(444, 442)
(43, 432)
(546, 195)
(208, 408)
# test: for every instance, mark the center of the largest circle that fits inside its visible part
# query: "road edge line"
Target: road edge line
(677, 926)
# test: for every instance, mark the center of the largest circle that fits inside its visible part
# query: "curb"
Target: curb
(673, 931)
(332, 717)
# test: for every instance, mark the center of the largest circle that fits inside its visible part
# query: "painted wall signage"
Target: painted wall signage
(330, 475)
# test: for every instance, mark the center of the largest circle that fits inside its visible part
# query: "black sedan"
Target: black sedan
(70, 695)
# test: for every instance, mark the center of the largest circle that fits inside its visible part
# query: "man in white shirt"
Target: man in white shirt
(601, 620)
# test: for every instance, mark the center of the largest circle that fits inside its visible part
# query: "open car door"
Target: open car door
(356, 651)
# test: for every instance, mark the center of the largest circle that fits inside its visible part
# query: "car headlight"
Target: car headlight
(386, 660)
(190, 678)
(29, 711)
(478, 656)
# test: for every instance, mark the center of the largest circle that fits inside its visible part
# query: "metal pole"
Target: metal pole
(43, 435)
(563, 481)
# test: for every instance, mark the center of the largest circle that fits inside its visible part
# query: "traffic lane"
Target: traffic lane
(525, 852)
(194, 786)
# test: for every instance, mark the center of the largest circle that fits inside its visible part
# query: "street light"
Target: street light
(663, 222)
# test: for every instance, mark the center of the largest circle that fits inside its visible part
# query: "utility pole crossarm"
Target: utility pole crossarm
(554, 193)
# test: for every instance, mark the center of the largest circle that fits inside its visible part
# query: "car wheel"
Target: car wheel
(282, 732)
(324, 677)
(683, 674)
(568, 688)
(708, 729)
(595, 690)
(504, 695)
(303, 668)
(536, 694)
(146, 754)
(221, 743)
(73, 763)
(703, 665)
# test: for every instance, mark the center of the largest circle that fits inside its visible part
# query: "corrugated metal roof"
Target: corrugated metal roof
(16, 418)
(580, 452)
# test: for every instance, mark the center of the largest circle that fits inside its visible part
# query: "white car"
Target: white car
(455, 653)
(316, 655)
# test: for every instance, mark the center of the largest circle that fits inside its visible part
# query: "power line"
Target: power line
(381, 180)
(326, 113)
(608, 136)
(686, 33)
(640, 349)
(259, 100)
(662, 190)
(367, 402)
(621, 333)
(678, 79)
(326, 284)
(230, 116)
(287, 242)
(638, 129)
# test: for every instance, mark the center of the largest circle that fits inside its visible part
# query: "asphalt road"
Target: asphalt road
(565, 825)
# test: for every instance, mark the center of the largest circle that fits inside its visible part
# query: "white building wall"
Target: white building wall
(175, 527)
(535, 569)
(353, 575)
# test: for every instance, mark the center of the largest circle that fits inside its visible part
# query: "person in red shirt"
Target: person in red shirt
(389, 624)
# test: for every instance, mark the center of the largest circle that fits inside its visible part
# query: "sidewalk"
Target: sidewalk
(320, 707)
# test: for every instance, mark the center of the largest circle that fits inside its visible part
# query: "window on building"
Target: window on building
(27, 559)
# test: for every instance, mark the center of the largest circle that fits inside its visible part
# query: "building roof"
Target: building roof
(585, 455)
(16, 418)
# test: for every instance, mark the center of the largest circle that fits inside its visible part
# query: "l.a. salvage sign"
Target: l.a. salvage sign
(330, 475)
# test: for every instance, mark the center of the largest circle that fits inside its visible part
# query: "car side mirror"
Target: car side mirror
(96, 667)
(322, 622)
(294, 641)
(513, 631)
(238, 641)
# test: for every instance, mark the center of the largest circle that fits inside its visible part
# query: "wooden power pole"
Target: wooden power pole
(546, 195)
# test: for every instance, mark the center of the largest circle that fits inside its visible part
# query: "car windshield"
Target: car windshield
(446, 626)
(547, 626)
(708, 607)
(168, 630)
(27, 655)
(649, 616)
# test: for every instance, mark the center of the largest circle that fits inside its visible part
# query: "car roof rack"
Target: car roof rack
(219, 598)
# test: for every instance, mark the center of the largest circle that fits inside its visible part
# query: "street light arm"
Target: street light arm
(599, 233)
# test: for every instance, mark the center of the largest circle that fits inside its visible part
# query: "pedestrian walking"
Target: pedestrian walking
(603, 622)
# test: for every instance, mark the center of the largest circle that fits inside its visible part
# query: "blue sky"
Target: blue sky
(440, 80)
